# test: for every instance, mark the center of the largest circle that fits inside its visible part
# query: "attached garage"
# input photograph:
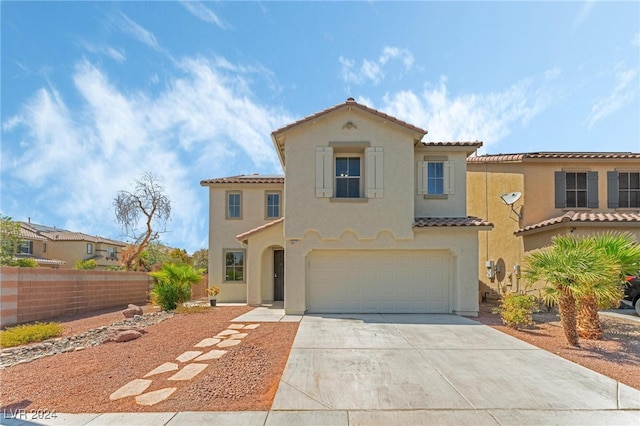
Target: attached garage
(394, 281)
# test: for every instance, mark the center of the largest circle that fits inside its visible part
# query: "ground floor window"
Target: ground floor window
(234, 265)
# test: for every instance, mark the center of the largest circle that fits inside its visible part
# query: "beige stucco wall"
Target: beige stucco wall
(460, 243)
(367, 217)
(72, 251)
(260, 263)
(454, 205)
(223, 232)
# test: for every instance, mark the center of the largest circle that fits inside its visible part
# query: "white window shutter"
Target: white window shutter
(374, 166)
(422, 177)
(324, 169)
(449, 183)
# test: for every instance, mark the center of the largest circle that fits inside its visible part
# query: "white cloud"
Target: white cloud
(489, 117)
(115, 54)
(372, 70)
(583, 14)
(140, 33)
(202, 12)
(625, 90)
(204, 123)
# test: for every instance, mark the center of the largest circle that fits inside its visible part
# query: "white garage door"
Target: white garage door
(379, 281)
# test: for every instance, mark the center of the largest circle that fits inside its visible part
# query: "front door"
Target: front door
(278, 275)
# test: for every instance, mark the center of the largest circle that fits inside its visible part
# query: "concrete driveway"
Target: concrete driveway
(436, 369)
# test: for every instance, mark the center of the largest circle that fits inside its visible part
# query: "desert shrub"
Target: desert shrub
(29, 333)
(516, 309)
(86, 264)
(173, 285)
(27, 262)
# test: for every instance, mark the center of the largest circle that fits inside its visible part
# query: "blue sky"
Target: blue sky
(94, 94)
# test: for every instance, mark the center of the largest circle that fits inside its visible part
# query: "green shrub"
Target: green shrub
(516, 310)
(173, 285)
(27, 262)
(29, 333)
(86, 264)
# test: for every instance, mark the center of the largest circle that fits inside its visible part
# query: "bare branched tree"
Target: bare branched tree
(149, 202)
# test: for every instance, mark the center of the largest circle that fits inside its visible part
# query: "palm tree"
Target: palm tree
(569, 268)
(622, 250)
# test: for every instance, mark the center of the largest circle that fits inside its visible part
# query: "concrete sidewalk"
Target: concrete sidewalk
(411, 369)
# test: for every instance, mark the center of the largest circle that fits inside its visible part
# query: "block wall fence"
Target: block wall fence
(40, 294)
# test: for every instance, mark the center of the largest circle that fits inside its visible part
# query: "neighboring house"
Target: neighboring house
(68, 247)
(560, 193)
(33, 245)
(367, 219)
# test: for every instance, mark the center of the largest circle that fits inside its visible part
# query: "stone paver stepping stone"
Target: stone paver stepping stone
(251, 326)
(154, 397)
(214, 354)
(167, 366)
(236, 326)
(227, 343)
(209, 341)
(188, 372)
(227, 332)
(134, 387)
(188, 356)
(238, 336)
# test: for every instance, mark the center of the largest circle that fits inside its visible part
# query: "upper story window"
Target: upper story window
(234, 205)
(576, 190)
(623, 189)
(89, 248)
(435, 177)
(44, 247)
(354, 170)
(348, 179)
(25, 247)
(272, 200)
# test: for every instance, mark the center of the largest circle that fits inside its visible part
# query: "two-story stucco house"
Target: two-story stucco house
(55, 247)
(367, 219)
(552, 193)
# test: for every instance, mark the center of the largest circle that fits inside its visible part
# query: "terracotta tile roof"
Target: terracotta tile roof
(425, 222)
(350, 102)
(476, 144)
(255, 178)
(79, 236)
(27, 232)
(41, 260)
(506, 158)
(245, 235)
(632, 219)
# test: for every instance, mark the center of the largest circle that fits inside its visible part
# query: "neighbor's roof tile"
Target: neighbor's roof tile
(79, 236)
(505, 158)
(255, 178)
(585, 217)
(424, 222)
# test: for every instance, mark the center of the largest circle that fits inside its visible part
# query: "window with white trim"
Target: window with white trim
(234, 205)
(348, 173)
(272, 204)
(89, 248)
(234, 265)
(348, 178)
(25, 247)
(435, 178)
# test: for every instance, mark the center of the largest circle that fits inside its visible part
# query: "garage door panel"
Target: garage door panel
(371, 281)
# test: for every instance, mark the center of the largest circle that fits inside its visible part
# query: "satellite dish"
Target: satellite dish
(511, 197)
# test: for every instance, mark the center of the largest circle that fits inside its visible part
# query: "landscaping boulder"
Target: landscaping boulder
(121, 334)
(125, 336)
(132, 311)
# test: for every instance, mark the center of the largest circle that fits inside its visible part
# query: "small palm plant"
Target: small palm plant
(570, 269)
(622, 250)
(173, 285)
